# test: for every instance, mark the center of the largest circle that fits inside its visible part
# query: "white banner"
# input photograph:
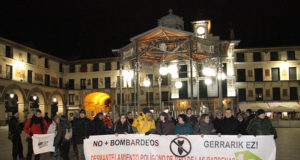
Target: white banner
(192, 147)
(43, 143)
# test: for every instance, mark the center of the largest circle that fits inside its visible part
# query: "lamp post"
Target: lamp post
(159, 89)
(147, 83)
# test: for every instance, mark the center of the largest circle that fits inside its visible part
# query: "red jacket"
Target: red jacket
(35, 128)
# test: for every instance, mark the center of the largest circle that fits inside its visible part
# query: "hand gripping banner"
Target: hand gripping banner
(192, 147)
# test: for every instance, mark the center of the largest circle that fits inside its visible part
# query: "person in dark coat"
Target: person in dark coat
(192, 119)
(171, 118)
(81, 129)
(242, 123)
(261, 125)
(206, 127)
(164, 126)
(34, 125)
(249, 116)
(98, 124)
(229, 125)
(15, 131)
(218, 122)
(130, 117)
(122, 126)
(48, 120)
(183, 127)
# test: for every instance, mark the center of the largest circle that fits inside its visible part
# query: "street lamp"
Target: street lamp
(54, 100)
(163, 70)
(208, 81)
(178, 84)
(147, 83)
(34, 98)
(222, 76)
(11, 95)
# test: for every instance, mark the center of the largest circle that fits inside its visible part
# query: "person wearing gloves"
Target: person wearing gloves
(144, 123)
(164, 126)
(261, 125)
(122, 126)
(35, 125)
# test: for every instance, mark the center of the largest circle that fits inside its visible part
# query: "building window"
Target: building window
(240, 57)
(29, 76)
(118, 65)
(95, 67)
(9, 72)
(183, 91)
(291, 55)
(259, 94)
(28, 57)
(256, 56)
(276, 93)
(60, 67)
(150, 76)
(71, 99)
(119, 100)
(258, 74)
(274, 56)
(83, 68)
(293, 93)
(242, 94)
(132, 98)
(82, 83)
(164, 80)
(8, 52)
(183, 71)
(275, 74)
(95, 83)
(72, 68)
(241, 75)
(268, 93)
(250, 93)
(71, 83)
(46, 63)
(292, 73)
(165, 96)
(107, 82)
(202, 89)
(60, 83)
(107, 66)
(149, 98)
(47, 80)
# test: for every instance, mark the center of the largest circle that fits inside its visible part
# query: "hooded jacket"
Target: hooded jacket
(35, 125)
(14, 126)
(143, 123)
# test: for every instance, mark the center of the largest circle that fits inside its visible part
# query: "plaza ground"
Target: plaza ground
(288, 145)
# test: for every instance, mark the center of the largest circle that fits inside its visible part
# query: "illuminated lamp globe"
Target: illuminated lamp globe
(200, 30)
(178, 84)
(223, 75)
(147, 83)
(174, 75)
(34, 98)
(54, 100)
(207, 71)
(163, 70)
(172, 68)
(11, 95)
(208, 81)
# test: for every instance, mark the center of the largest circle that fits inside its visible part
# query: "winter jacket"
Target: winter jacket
(243, 127)
(258, 126)
(217, 124)
(143, 123)
(206, 128)
(165, 128)
(229, 126)
(14, 126)
(184, 129)
(130, 121)
(122, 128)
(98, 127)
(248, 119)
(81, 128)
(192, 120)
(61, 130)
(35, 125)
(52, 128)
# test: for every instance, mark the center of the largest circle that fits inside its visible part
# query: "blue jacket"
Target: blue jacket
(183, 129)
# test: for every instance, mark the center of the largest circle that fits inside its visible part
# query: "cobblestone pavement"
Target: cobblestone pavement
(288, 145)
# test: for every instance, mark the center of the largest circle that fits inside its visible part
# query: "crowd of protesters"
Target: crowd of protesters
(79, 127)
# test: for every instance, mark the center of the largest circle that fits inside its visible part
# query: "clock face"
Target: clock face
(200, 30)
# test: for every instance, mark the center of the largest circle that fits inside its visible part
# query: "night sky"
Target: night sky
(74, 29)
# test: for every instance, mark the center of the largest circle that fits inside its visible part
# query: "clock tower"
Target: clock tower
(201, 28)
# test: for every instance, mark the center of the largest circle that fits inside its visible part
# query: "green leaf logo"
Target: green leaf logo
(246, 155)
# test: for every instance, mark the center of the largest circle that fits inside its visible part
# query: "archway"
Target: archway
(56, 105)
(96, 102)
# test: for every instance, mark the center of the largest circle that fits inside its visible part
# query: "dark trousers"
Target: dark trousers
(74, 145)
(65, 147)
(17, 147)
(30, 151)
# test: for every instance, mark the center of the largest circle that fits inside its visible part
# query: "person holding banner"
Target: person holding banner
(206, 127)
(144, 123)
(183, 127)
(164, 126)
(34, 125)
(229, 125)
(98, 125)
(81, 130)
(122, 126)
(261, 125)
(15, 131)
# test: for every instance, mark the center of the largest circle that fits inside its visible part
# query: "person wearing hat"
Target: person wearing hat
(98, 124)
(82, 129)
(164, 126)
(15, 131)
(35, 125)
(261, 125)
(144, 123)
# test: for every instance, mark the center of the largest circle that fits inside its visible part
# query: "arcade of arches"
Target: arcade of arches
(96, 102)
